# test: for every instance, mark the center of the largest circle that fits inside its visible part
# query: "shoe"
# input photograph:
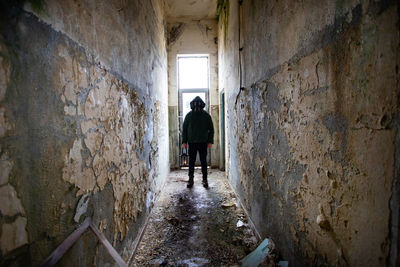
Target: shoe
(189, 184)
(205, 184)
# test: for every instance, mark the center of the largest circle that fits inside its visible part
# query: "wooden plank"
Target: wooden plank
(72, 238)
(108, 246)
(66, 244)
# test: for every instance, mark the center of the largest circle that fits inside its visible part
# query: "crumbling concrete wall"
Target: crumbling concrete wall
(188, 36)
(83, 126)
(313, 135)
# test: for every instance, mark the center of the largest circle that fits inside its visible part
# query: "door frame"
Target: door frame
(222, 128)
(180, 116)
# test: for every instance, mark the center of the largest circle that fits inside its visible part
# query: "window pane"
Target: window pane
(187, 98)
(193, 72)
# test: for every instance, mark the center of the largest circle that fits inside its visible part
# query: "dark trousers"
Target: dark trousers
(202, 148)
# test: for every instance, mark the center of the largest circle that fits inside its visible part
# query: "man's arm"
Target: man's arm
(210, 139)
(184, 131)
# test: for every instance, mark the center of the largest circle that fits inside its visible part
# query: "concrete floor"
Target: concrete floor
(195, 227)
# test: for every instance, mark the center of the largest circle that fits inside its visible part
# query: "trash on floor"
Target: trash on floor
(173, 220)
(264, 255)
(193, 262)
(240, 224)
(228, 204)
(191, 228)
(257, 256)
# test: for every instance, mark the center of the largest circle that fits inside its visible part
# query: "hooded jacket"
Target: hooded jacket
(198, 126)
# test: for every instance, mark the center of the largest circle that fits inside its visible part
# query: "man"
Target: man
(198, 131)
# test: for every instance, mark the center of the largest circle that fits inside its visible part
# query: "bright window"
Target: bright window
(193, 72)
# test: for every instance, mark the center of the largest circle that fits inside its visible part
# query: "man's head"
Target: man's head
(197, 104)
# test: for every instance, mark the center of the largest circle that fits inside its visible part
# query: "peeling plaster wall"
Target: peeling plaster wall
(228, 73)
(188, 36)
(313, 137)
(83, 127)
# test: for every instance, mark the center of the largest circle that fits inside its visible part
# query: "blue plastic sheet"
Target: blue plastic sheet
(256, 256)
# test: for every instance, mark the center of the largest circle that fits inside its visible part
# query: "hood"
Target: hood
(198, 99)
(197, 104)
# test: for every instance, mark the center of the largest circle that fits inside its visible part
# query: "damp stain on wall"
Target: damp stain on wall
(77, 139)
(311, 134)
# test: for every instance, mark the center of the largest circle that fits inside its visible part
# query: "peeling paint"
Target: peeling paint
(13, 235)
(4, 71)
(175, 32)
(5, 167)
(83, 117)
(311, 134)
(112, 133)
(5, 125)
(82, 206)
(10, 204)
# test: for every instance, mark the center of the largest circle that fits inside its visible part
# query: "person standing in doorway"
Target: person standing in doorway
(198, 134)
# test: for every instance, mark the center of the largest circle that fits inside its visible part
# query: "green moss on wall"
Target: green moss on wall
(223, 16)
(37, 5)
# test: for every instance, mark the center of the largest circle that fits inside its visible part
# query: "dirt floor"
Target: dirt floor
(197, 226)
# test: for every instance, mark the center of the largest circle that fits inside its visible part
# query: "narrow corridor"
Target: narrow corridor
(304, 98)
(195, 227)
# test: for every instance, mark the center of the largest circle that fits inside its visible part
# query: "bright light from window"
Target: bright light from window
(193, 72)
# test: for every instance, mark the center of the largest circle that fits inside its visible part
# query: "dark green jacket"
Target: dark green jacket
(198, 128)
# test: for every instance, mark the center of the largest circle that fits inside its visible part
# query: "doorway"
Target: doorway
(193, 80)
(222, 127)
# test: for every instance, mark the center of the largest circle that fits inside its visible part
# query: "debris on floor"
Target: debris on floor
(265, 255)
(240, 224)
(283, 264)
(228, 204)
(193, 227)
(257, 256)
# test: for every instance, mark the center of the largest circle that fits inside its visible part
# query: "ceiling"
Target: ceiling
(195, 9)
